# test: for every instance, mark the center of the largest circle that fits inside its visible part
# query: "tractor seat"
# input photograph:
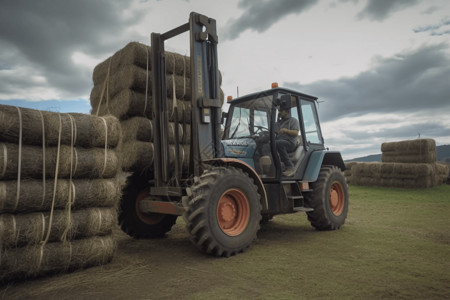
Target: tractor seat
(296, 157)
(298, 153)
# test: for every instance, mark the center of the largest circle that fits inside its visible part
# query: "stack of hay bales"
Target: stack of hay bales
(405, 164)
(122, 87)
(58, 191)
(348, 171)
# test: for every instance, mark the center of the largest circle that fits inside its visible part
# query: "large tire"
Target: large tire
(223, 211)
(329, 199)
(132, 221)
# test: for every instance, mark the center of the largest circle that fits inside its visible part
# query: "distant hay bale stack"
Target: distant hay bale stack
(348, 170)
(442, 173)
(401, 175)
(416, 146)
(426, 158)
(410, 151)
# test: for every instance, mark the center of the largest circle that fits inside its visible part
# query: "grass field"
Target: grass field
(394, 245)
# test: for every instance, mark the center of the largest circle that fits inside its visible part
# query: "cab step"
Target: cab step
(298, 204)
(302, 208)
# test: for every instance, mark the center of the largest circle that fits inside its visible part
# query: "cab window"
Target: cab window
(310, 122)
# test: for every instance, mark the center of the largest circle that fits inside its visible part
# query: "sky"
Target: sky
(380, 68)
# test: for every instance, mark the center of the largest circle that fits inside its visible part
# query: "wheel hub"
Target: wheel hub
(228, 211)
(233, 212)
(336, 198)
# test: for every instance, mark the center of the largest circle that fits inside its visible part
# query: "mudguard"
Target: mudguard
(319, 158)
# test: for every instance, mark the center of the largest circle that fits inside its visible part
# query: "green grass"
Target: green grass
(395, 245)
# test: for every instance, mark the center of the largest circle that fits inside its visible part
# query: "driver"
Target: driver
(287, 129)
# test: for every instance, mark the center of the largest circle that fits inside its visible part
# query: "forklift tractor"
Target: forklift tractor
(235, 180)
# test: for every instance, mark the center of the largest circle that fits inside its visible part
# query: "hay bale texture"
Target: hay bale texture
(348, 170)
(18, 230)
(59, 191)
(123, 88)
(35, 260)
(38, 126)
(410, 151)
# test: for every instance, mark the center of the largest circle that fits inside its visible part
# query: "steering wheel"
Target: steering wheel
(260, 129)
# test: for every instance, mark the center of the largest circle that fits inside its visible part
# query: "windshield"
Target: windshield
(249, 117)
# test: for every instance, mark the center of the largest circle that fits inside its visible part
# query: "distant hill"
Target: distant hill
(369, 158)
(443, 154)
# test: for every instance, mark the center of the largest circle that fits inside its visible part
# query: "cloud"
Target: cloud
(378, 10)
(40, 38)
(442, 28)
(397, 99)
(407, 82)
(261, 15)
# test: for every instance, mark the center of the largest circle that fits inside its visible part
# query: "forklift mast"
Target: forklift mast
(205, 104)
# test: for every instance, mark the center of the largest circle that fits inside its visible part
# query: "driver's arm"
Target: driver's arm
(290, 132)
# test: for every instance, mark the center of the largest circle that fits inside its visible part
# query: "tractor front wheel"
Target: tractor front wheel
(223, 211)
(132, 220)
(329, 199)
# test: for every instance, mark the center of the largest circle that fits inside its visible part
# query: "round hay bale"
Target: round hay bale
(137, 128)
(34, 195)
(135, 78)
(58, 257)
(186, 159)
(141, 129)
(136, 156)
(129, 103)
(138, 54)
(126, 104)
(85, 130)
(81, 162)
(18, 230)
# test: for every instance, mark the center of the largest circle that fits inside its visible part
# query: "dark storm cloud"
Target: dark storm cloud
(378, 10)
(261, 15)
(409, 82)
(44, 34)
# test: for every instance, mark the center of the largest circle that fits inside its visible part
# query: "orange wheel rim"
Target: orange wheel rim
(233, 212)
(337, 198)
(150, 218)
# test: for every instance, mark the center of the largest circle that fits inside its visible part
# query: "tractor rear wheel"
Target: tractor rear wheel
(132, 220)
(223, 211)
(329, 199)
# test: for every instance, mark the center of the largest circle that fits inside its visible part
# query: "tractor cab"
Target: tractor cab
(252, 128)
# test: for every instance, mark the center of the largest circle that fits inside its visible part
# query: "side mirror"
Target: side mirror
(224, 117)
